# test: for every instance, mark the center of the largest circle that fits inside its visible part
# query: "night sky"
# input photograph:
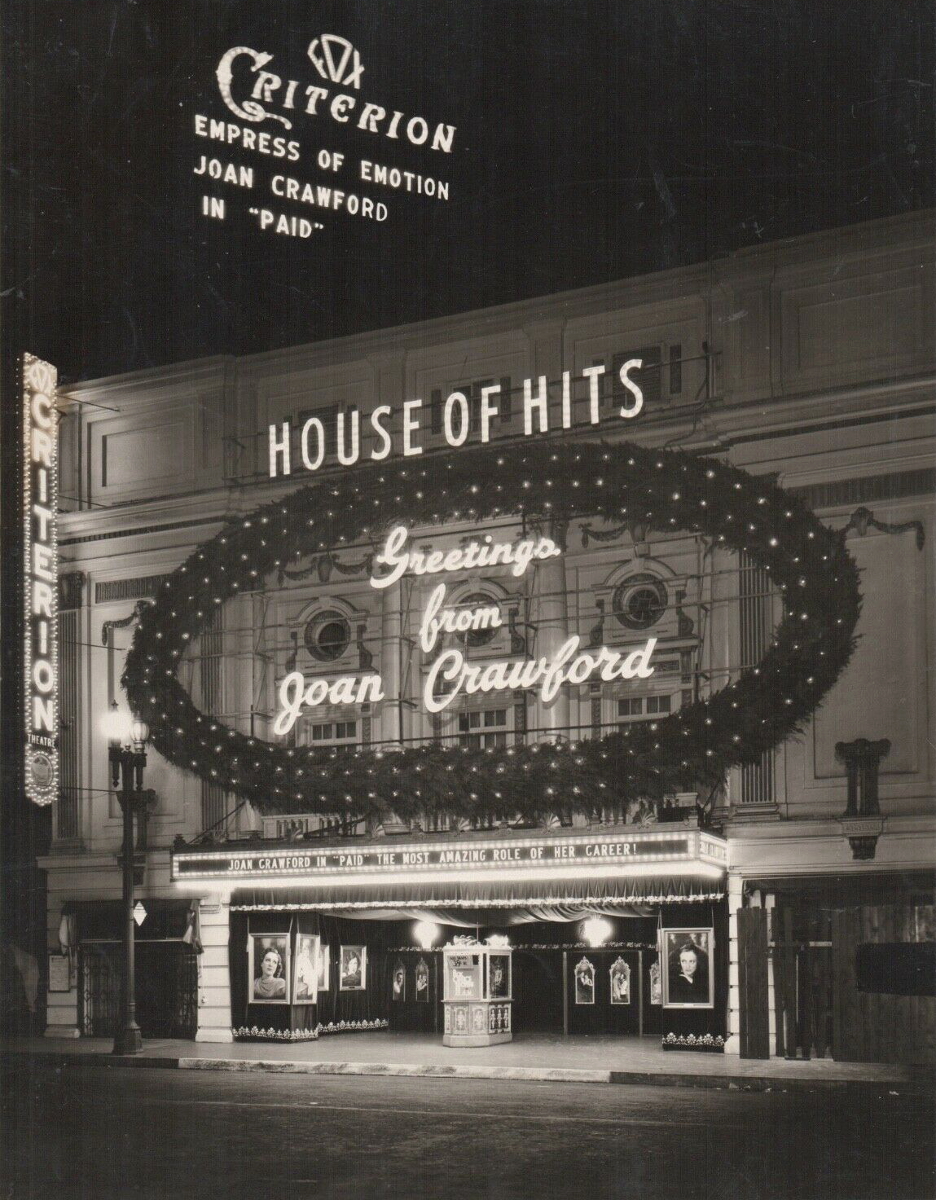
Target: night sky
(594, 141)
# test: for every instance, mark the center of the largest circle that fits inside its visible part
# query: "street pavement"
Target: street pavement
(82, 1131)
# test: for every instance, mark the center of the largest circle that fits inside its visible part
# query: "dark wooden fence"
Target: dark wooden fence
(878, 1025)
(754, 1025)
(821, 1006)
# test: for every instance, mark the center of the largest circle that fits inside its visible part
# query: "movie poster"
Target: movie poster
(466, 464)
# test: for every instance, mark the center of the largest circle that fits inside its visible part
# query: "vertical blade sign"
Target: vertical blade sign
(40, 571)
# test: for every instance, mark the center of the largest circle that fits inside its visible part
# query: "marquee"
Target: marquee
(660, 851)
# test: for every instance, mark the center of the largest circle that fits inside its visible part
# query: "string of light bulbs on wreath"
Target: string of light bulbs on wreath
(688, 750)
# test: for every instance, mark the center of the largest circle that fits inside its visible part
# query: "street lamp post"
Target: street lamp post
(127, 757)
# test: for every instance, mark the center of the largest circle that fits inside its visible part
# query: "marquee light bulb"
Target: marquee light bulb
(426, 932)
(596, 931)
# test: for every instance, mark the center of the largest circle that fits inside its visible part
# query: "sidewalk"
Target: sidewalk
(532, 1057)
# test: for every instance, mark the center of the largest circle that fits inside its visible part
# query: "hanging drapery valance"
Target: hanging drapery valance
(547, 901)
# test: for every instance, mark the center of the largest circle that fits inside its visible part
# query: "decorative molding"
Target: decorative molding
(686, 627)
(140, 530)
(862, 761)
(596, 633)
(71, 589)
(638, 530)
(862, 834)
(868, 488)
(322, 565)
(128, 589)
(365, 657)
(518, 639)
(138, 609)
(863, 518)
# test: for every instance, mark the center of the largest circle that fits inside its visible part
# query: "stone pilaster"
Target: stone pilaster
(214, 976)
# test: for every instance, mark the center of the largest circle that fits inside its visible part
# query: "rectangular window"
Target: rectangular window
(642, 708)
(332, 733)
(481, 729)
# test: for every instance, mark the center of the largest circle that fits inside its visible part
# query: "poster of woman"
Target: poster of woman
(269, 968)
(499, 968)
(352, 976)
(305, 975)
(584, 982)
(688, 981)
(620, 982)
(422, 981)
(399, 981)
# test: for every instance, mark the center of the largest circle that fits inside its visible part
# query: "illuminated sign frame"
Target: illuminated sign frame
(40, 578)
(659, 849)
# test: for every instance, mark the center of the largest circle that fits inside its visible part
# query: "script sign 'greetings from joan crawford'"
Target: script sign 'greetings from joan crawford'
(546, 675)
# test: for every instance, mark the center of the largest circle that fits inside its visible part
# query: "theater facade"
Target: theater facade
(557, 667)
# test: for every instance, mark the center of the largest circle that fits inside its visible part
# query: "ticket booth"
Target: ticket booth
(477, 995)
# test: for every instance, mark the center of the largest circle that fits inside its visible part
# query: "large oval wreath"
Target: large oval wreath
(687, 751)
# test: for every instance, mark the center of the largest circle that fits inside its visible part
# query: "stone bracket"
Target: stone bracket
(862, 834)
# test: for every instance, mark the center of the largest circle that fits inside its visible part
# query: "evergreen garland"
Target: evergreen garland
(689, 750)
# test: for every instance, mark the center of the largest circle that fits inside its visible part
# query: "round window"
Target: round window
(327, 636)
(639, 602)
(485, 632)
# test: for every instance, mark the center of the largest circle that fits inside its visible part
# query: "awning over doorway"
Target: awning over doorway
(103, 920)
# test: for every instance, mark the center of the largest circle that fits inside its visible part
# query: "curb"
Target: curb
(742, 1083)
(400, 1070)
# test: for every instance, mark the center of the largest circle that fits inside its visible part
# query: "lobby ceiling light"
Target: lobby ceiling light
(596, 931)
